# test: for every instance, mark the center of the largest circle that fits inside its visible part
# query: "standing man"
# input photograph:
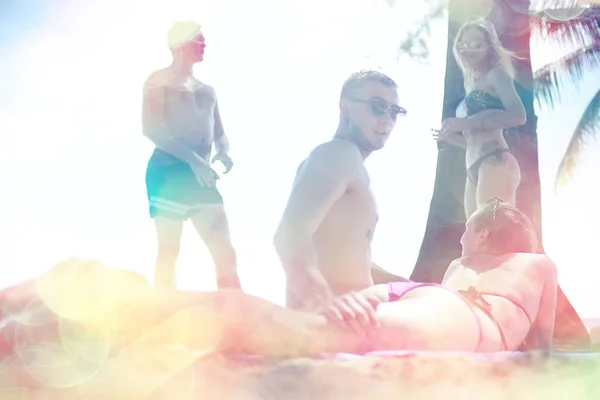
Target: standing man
(324, 237)
(181, 117)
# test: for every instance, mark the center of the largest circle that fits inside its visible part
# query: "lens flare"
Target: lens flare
(79, 290)
(55, 352)
(170, 368)
(566, 14)
(522, 7)
(16, 393)
(90, 344)
(57, 367)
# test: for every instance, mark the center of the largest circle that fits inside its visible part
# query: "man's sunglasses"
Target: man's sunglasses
(379, 107)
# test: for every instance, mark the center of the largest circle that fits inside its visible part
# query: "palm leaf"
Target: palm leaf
(587, 129)
(581, 33)
(573, 31)
(551, 78)
(540, 5)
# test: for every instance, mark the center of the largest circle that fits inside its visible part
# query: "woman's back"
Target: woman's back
(519, 287)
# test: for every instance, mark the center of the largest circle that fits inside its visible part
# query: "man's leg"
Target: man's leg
(168, 233)
(165, 185)
(213, 227)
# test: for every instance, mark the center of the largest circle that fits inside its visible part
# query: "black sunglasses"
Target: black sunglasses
(379, 107)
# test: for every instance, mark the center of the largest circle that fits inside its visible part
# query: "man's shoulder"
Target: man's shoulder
(336, 150)
(158, 80)
(332, 154)
(331, 159)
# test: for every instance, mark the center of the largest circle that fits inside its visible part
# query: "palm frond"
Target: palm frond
(583, 29)
(550, 79)
(541, 5)
(587, 129)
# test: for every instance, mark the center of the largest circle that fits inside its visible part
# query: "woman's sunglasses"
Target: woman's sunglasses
(472, 46)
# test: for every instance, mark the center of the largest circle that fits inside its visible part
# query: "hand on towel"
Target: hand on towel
(352, 310)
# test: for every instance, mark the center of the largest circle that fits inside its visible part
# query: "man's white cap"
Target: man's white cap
(182, 32)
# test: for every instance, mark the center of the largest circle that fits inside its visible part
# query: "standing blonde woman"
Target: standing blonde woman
(490, 106)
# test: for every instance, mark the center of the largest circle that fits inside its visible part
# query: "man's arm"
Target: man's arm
(155, 129)
(221, 141)
(514, 112)
(323, 179)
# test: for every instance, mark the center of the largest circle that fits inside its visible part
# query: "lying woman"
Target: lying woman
(497, 295)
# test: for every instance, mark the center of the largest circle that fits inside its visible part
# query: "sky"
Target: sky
(73, 157)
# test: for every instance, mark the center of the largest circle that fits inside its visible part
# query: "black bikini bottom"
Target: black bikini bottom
(473, 170)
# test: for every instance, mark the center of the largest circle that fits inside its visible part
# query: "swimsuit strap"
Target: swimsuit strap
(477, 299)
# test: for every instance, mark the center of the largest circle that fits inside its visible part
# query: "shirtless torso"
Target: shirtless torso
(186, 110)
(324, 237)
(343, 240)
(342, 232)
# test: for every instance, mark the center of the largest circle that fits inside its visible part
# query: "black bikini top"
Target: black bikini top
(478, 100)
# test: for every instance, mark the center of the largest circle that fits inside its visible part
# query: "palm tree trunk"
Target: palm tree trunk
(445, 223)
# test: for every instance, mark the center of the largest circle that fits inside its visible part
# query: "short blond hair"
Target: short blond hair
(498, 57)
(182, 32)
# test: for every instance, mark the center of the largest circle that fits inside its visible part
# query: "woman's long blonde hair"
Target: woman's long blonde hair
(498, 55)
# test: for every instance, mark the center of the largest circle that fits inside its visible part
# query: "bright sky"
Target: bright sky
(73, 159)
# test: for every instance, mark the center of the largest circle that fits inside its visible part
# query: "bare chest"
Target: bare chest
(194, 101)
(355, 213)
(189, 113)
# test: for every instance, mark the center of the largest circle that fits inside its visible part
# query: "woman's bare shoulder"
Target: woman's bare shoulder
(535, 261)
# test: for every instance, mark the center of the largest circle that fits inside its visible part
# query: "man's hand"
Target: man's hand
(205, 175)
(225, 160)
(312, 296)
(308, 288)
(353, 310)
